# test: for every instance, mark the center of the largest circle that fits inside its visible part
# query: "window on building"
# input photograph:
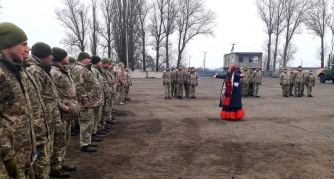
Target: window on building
(241, 59)
(250, 60)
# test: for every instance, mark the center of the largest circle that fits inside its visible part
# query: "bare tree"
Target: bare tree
(266, 10)
(317, 20)
(0, 6)
(279, 18)
(143, 11)
(295, 15)
(169, 25)
(289, 55)
(193, 19)
(106, 8)
(156, 27)
(74, 19)
(94, 28)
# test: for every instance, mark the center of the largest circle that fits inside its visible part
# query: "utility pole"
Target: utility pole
(204, 60)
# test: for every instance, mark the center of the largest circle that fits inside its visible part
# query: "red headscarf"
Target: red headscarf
(233, 67)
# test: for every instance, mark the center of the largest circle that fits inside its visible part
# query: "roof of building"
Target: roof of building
(247, 53)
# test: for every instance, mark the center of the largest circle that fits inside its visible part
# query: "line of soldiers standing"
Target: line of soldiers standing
(296, 80)
(174, 81)
(250, 82)
(40, 96)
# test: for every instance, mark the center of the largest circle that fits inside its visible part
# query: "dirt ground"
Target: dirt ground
(283, 138)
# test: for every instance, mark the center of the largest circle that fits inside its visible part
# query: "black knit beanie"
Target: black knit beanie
(11, 35)
(83, 55)
(95, 59)
(58, 54)
(41, 50)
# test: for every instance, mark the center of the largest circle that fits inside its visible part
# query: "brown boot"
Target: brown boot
(69, 168)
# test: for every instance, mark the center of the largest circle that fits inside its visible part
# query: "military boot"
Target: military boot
(93, 145)
(101, 132)
(69, 168)
(88, 148)
(309, 95)
(60, 174)
(96, 139)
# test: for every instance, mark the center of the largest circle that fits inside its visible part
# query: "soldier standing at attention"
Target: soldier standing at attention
(121, 83)
(167, 79)
(89, 96)
(98, 132)
(180, 80)
(17, 136)
(67, 101)
(192, 82)
(257, 81)
(172, 83)
(284, 81)
(299, 82)
(245, 82)
(251, 82)
(128, 84)
(186, 84)
(309, 82)
(113, 91)
(40, 67)
(292, 82)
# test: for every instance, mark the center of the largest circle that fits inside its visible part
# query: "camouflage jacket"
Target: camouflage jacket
(167, 77)
(246, 78)
(113, 79)
(102, 81)
(128, 78)
(251, 78)
(66, 91)
(180, 76)
(17, 137)
(257, 77)
(310, 80)
(292, 80)
(87, 86)
(298, 77)
(109, 82)
(120, 77)
(284, 79)
(192, 78)
(41, 125)
(47, 88)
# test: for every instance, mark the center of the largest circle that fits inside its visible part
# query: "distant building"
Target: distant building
(242, 59)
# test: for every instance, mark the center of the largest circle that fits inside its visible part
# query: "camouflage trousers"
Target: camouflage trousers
(192, 90)
(250, 89)
(302, 89)
(121, 91)
(245, 88)
(86, 122)
(291, 89)
(179, 89)
(172, 89)
(105, 113)
(256, 89)
(186, 90)
(309, 90)
(97, 118)
(126, 91)
(285, 90)
(42, 163)
(298, 88)
(168, 90)
(61, 140)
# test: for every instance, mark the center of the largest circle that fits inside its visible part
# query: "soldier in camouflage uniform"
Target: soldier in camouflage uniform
(192, 82)
(98, 130)
(17, 146)
(40, 68)
(68, 104)
(121, 83)
(167, 79)
(245, 82)
(172, 83)
(298, 78)
(292, 82)
(186, 84)
(284, 81)
(251, 82)
(110, 89)
(111, 72)
(180, 80)
(89, 96)
(128, 84)
(257, 81)
(309, 82)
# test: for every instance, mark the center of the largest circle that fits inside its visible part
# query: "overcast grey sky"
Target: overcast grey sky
(237, 22)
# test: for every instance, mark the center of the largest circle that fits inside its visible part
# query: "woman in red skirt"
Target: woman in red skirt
(230, 99)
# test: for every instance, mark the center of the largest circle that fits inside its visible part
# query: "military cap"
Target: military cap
(11, 35)
(41, 50)
(192, 68)
(299, 66)
(120, 64)
(180, 65)
(95, 59)
(310, 71)
(72, 59)
(167, 66)
(105, 61)
(250, 69)
(257, 67)
(58, 54)
(83, 55)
